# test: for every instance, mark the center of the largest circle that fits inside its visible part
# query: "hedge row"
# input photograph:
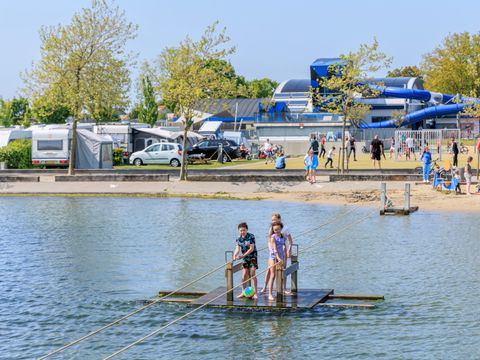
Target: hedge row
(17, 154)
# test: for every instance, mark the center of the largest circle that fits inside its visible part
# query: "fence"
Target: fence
(410, 143)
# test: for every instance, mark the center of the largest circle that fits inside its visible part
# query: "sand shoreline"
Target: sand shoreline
(365, 193)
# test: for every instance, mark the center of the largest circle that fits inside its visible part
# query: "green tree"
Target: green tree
(148, 107)
(6, 113)
(12, 112)
(406, 71)
(185, 77)
(454, 66)
(19, 108)
(47, 113)
(84, 64)
(262, 88)
(134, 112)
(345, 89)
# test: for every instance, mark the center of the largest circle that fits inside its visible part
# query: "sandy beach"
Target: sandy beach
(365, 193)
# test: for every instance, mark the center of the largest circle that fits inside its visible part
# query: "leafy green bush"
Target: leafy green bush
(117, 157)
(17, 154)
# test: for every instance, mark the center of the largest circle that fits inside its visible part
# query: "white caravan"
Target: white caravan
(8, 135)
(51, 147)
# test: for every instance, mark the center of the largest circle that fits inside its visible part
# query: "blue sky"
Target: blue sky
(275, 39)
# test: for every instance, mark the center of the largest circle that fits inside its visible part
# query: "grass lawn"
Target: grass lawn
(364, 162)
(199, 166)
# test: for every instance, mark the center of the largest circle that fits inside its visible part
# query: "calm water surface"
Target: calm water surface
(71, 265)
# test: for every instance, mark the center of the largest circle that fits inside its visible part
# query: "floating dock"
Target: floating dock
(226, 297)
(304, 299)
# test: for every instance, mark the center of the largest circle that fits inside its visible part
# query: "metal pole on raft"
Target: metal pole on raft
(294, 258)
(229, 276)
(279, 276)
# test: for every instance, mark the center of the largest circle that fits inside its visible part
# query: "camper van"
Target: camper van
(50, 147)
(121, 135)
(8, 135)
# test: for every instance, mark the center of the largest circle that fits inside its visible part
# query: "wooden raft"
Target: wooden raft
(225, 297)
(303, 299)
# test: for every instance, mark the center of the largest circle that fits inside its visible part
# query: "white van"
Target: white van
(51, 147)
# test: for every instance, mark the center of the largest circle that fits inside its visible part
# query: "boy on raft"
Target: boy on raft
(245, 244)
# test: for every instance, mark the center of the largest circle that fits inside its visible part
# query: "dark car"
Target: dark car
(210, 147)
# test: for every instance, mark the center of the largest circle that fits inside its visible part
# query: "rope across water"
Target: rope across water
(223, 294)
(163, 298)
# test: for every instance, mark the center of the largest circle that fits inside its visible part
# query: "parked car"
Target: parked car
(209, 147)
(159, 153)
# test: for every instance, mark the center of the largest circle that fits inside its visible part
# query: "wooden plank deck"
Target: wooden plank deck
(304, 299)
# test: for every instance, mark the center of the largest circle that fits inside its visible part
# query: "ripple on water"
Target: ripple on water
(72, 265)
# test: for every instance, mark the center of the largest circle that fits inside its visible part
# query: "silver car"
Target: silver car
(159, 153)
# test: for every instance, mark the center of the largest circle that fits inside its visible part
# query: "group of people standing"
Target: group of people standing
(316, 151)
(279, 250)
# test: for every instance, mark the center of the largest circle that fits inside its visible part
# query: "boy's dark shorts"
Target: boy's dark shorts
(250, 263)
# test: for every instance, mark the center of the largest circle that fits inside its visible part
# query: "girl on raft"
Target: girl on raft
(276, 217)
(277, 254)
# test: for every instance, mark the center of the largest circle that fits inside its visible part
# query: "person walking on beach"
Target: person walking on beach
(314, 146)
(330, 157)
(307, 160)
(458, 189)
(455, 152)
(392, 147)
(376, 150)
(468, 174)
(277, 254)
(267, 149)
(313, 167)
(322, 147)
(427, 159)
(245, 244)
(288, 236)
(411, 146)
(352, 148)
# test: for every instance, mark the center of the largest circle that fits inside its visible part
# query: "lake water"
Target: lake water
(71, 265)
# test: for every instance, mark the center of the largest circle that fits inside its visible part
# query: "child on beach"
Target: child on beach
(308, 162)
(468, 174)
(313, 167)
(276, 217)
(427, 159)
(392, 147)
(330, 157)
(245, 244)
(277, 254)
(458, 190)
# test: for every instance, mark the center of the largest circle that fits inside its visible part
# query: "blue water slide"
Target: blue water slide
(414, 94)
(419, 115)
(416, 116)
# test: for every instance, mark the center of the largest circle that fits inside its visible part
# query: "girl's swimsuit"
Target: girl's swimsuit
(280, 242)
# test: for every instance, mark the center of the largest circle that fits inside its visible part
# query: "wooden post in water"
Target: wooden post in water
(383, 198)
(294, 285)
(406, 210)
(279, 280)
(229, 276)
